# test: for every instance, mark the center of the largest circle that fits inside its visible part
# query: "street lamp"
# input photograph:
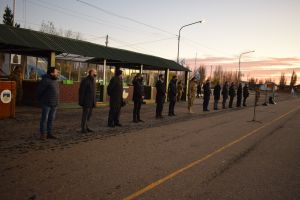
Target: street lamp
(179, 36)
(239, 76)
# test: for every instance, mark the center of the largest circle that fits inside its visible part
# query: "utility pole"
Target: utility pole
(106, 41)
(211, 72)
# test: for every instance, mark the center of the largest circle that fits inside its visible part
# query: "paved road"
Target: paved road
(222, 156)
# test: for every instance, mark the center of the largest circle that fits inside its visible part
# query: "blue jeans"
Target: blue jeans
(47, 118)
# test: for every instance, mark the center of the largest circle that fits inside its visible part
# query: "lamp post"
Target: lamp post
(239, 76)
(179, 36)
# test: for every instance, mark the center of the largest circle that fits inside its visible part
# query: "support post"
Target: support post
(186, 76)
(104, 82)
(141, 69)
(167, 79)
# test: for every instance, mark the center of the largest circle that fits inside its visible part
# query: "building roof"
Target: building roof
(29, 42)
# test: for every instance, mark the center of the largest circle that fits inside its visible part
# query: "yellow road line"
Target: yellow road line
(179, 171)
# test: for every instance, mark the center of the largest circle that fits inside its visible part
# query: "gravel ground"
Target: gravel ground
(20, 135)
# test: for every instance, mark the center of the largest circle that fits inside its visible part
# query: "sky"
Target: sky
(269, 27)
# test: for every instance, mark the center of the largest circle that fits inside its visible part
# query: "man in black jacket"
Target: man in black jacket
(231, 94)
(160, 96)
(224, 94)
(48, 94)
(138, 96)
(115, 91)
(206, 93)
(239, 95)
(172, 92)
(217, 94)
(245, 94)
(87, 98)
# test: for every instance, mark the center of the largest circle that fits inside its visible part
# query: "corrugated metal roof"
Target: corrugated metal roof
(29, 39)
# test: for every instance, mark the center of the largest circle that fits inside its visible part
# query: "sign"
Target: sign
(6, 96)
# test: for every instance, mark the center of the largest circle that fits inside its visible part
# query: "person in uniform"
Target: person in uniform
(232, 94)
(206, 97)
(224, 94)
(245, 94)
(239, 95)
(160, 96)
(191, 93)
(138, 97)
(217, 94)
(172, 92)
(179, 90)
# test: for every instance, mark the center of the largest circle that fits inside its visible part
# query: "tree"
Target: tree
(8, 18)
(218, 75)
(293, 79)
(282, 81)
(50, 28)
(202, 71)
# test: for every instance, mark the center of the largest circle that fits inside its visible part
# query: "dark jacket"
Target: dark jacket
(48, 91)
(225, 91)
(206, 90)
(115, 92)
(245, 91)
(217, 92)
(160, 92)
(138, 90)
(87, 92)
(232, 91)
(239, 92)
(172, 90)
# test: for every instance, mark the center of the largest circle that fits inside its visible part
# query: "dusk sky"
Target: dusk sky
(270, 27)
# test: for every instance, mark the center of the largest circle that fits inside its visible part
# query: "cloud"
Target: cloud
(261, 68)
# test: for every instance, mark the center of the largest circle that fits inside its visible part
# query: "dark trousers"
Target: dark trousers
(244, 101)
(86, 115)
(47, 118)
(159, 109)
(231, 101)
(136, 110)
(114, 115)
(238, 101)
(224, 103)
(216, 101)
(205, 103)
(172, 107)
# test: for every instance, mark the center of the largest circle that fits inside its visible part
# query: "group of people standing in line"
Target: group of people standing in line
(48, 94)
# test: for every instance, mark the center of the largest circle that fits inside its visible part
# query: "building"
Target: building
(35, 51)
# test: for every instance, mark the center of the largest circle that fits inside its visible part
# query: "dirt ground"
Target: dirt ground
(20, 135)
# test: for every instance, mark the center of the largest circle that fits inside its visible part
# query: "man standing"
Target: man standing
(172, 95)
(231, 94)
(217, 91)
(115, 91)
(87, 98)
(48, 93)
(206, 97)
(245, 94)
(138, 96)
(239, 95)
(191, 93)
(160, 96)
(224, 94)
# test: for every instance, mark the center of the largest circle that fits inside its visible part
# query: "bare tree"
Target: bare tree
(202, 71)
(282, 81)
(293, 79)
(50, 28)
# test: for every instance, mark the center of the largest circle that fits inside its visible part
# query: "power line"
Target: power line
(147, 42)
(124, 17)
